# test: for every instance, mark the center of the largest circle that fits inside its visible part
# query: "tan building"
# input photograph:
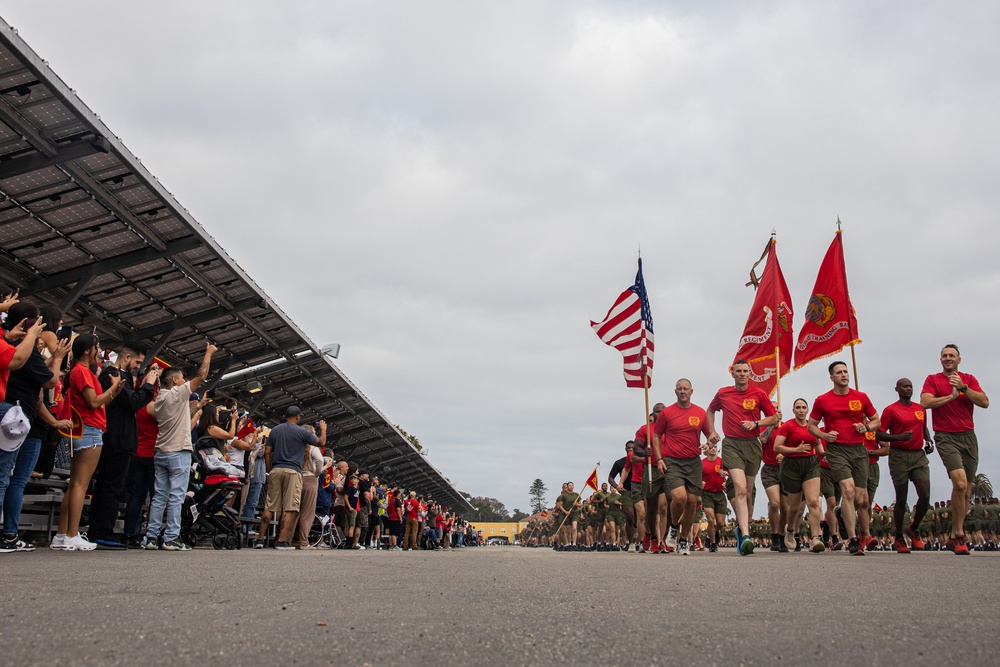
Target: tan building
(504, 531)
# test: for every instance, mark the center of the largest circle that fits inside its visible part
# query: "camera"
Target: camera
(224, 416)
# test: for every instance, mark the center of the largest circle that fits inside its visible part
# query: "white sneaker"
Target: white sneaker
(672, 538)
(58, 542)
(684, 548)
(79, 543)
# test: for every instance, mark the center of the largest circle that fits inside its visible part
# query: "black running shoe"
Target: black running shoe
(854, 548)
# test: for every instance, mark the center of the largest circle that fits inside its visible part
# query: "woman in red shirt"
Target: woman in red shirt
(800, 474)
(85, 398)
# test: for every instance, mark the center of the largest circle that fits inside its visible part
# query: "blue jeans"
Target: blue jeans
(141, 484)
(7, 459)
(253, 497)
(172, 470)
(13, 499)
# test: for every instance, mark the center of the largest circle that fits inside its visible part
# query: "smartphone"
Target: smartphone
(30, 322)
(65, 332)
(93, 329)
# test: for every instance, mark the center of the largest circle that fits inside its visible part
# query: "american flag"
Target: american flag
(628, 327)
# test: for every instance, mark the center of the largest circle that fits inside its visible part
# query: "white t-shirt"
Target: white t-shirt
(236, 456)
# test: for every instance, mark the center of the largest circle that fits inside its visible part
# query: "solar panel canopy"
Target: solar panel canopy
(85, 226)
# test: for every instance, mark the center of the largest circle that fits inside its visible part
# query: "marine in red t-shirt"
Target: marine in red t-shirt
(904, 428)
(742, 407)
(678, 430)
(951, 396)
(847, 415)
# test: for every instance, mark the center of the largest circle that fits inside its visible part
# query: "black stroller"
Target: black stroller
(213, 483)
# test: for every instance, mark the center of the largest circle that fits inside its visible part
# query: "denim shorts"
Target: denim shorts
(92, 437)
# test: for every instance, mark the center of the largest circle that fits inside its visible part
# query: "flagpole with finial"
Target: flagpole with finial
(777, 336)
(850, 330)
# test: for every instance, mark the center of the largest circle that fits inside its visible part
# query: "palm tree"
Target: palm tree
(982, 487)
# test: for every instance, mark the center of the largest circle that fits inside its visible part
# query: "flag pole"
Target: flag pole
(777, 333)
(847, 293)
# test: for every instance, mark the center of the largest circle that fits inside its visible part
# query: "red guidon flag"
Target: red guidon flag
(767, 337)
(830, 324)
(592, 481)
(247, 429)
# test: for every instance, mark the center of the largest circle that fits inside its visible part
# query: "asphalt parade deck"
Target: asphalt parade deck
(497, 606)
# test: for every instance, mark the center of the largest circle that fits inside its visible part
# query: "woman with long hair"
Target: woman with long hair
(84, 397)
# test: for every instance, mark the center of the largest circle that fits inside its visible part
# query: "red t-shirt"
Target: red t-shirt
(739, 406)
(768, 457)
(898, 418)
(955, 416)
(6, 356)
(841, 413)
(711, 475)
(642, 434)
(871, 444)
(679, 430)
(411, 507)
(633, 468)
(795, 435)
(148, 430)
(391, 510)
(79, 378)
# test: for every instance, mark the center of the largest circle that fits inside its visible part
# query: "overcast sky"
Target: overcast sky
(452, 191)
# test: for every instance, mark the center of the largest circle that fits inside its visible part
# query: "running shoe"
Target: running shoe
(789, 539)
(684, 548)
(654, 547)
(950, 544)
(961, 548)
(838, 544)
(854, 548)
(150, 545)
(738, 533)
(14, 543)
(918, 544)
(282, 546)
(79, 542)
(746, 546)
(58, 543)
(782, 547)
(672, 538)
(818, 546)
(900, 545)
(871, 544)
(776, 542)
(645, 543)
(713, 548)
(110, 545)
(175, 545)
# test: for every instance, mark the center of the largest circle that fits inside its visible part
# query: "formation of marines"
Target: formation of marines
(673, 479)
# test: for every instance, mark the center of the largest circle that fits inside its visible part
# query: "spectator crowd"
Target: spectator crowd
(151, 453)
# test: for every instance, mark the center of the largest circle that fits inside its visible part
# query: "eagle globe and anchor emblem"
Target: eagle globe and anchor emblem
(820, 310)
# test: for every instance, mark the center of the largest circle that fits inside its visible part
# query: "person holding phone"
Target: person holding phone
(87, 398)
(121, 440)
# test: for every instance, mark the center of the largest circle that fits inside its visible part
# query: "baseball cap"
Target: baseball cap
(292, 411)
(195, 396)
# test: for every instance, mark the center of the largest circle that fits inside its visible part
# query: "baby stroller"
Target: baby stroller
(213, 482)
